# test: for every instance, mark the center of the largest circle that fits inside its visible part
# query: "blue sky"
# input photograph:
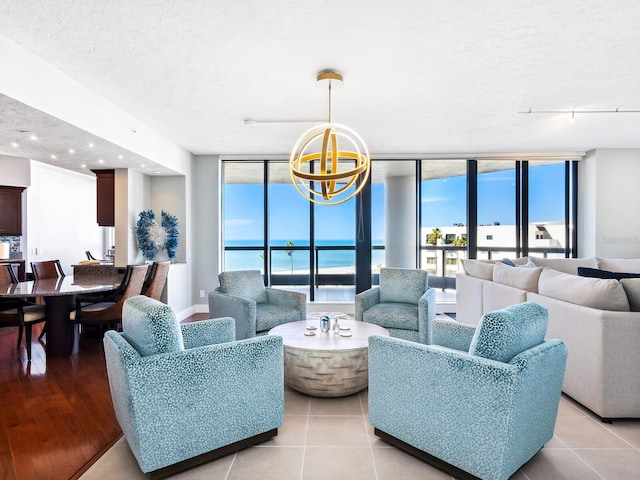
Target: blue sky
(443, 203)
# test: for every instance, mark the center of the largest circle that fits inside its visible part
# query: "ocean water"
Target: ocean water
(282, 262)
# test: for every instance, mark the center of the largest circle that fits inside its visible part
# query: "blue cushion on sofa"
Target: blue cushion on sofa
(503, 334)
(150, 326)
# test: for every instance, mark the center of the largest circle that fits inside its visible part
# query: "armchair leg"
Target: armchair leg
(44, 330)
(20, 328)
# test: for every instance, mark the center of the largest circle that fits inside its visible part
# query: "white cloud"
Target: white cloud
(435, 199)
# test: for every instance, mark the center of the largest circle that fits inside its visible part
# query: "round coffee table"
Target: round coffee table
(327, 364)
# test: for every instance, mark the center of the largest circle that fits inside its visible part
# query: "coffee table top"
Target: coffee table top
(293, 335)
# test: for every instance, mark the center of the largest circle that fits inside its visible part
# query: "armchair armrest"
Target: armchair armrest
(365, 300)
(242, 310)
(451, 334)
(426, 314)
(208, 332)
(291, 299)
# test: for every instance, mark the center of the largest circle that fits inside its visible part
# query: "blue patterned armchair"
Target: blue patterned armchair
(403, 304)
(484, 403)
(186, 394)
(256, 309)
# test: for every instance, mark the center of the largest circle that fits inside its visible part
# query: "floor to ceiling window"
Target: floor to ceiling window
(428, 214)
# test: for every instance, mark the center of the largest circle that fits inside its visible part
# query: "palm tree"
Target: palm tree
(435, 234)
(290, 253)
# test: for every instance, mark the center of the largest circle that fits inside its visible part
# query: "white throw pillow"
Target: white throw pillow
(524, 278)
(632, 288)
(478, 268)
(590, 292)
(627, 265)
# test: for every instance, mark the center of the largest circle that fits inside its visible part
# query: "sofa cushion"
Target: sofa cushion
(244, 283)
(478, 268)
(619, 264)
(520, 277)
(402, 285)
(566, 265)
(393, 315)
(150, 326)
(503, 334)
(589, 292)
(598, 273)
(632, 289)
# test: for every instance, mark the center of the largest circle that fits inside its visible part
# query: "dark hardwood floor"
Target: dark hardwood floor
(56, 413)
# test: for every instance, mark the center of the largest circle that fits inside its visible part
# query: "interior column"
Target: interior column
(400, 222)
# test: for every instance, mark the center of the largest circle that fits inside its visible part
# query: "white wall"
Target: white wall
(207, 227)
(169, 194)
(15, 171)
(61, 221)
(609, 224)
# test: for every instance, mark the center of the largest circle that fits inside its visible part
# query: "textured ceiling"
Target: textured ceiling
(421, 76)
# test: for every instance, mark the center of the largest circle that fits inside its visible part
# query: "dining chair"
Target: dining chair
(156, 279)
(47, 269)
(108, 313)
(89, 256)
(17, 312)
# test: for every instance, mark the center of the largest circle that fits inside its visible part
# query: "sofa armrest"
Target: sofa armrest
(208, 332)
(288, 298)
(199, 399)
(451, 334)
(242, 310)
(365, 300)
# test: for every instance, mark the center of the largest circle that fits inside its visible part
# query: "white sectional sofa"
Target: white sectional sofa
(598, 319)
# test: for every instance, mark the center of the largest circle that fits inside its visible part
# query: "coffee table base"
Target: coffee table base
(326, 374)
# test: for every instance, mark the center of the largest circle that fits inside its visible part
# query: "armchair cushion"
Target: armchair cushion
(269, 315)
(243, 283)
(151, 327)
(503, 334)
(402, 285)
(393, 315)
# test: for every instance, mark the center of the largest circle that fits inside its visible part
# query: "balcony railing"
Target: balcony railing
(442, 270)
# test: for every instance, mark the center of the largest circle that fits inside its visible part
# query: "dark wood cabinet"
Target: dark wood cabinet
(105, 189)
(11, 210)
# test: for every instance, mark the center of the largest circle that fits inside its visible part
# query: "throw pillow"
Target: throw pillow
(503, 334)
(478, 268)
(402, 285)
(589, 292)
(597, 273)
(150, 326)
(632, 289)
(519, 277)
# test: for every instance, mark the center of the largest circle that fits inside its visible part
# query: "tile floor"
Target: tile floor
(331, 439)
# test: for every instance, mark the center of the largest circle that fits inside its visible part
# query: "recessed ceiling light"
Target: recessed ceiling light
(91, 145)
(156, 172)
(120, 157)
(33, 137)
(72, 151)
(53, 157)
(83, 166)
(100, 161)
(15, 144)
(142, 165)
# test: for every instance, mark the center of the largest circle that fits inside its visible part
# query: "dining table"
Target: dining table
(59, 295)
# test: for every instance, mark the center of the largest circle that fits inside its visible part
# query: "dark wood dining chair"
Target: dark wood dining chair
(89, 256)
(110, 313)
(17, 312)
(156, 280)
(47, 269)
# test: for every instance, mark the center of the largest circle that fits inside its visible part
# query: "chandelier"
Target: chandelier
(321, 170)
